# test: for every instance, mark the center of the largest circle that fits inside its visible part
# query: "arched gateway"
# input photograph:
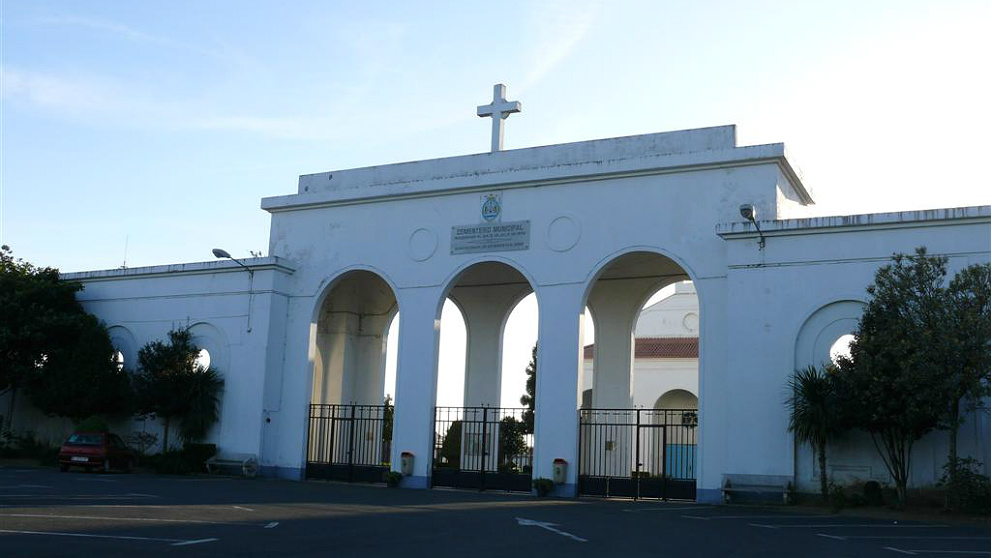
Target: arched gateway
(599, 223)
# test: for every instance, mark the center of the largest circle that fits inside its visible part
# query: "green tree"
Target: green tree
(813, 413)
(36, 308)
(511, 443)
(53, 348)
(892, 386)
(81, 378)
(530, 396)
(172, 385)
(963, 355)
(387, 419)
(450, 454)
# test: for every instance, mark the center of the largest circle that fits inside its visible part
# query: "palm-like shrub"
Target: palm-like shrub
(814, 415)
(174, 387)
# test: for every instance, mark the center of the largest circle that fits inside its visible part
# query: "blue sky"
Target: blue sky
(165, 123)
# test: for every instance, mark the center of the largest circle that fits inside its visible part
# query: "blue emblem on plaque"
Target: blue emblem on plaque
(491, 207)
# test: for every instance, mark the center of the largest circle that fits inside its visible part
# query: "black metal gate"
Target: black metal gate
(638, 453)
(349, 442)
(485, 448)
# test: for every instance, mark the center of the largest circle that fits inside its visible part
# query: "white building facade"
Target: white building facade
(600, 224)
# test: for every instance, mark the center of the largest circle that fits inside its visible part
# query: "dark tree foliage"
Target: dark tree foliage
(511, 443)
(893, 386)
(530, 397)
(813, 416)
(53, 348)
(450, 454)
(80, 378)
(964, 356)
(387, 419)
(36, 315)
(171, 385)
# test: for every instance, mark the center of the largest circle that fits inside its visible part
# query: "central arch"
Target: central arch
(485, 443)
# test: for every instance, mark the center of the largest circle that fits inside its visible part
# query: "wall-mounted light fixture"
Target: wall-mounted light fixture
(221, 253)
(750, 213)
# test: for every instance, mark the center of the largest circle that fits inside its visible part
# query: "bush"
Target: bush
(543, 486)
(171, 463)
(93, 424)
(7, 441)
(838, 497)
(873, 494)
(392, 478)
(196, 455)
(142, 441)
(969, 492)
(857, 500)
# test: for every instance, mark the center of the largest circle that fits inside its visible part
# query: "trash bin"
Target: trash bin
(560, 471)
(406, 463)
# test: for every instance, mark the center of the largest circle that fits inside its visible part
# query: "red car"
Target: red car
(95, 450)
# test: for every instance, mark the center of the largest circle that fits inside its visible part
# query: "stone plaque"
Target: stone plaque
(490, 237)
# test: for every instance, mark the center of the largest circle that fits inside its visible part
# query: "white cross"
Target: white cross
(499, 109)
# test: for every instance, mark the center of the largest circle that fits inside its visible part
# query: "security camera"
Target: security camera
(749, 212)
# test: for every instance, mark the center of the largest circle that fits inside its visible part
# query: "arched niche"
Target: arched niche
(123, 341)
(823, 328)
(677, 399)
(207, 336)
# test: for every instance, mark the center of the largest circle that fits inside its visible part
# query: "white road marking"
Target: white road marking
(696, 517)
(243, 508)
(899, 551)
(835, 537)
(198, 541)
(25, 486)
(548, 527)
(763, 526)
(104, 518)
(148, 519)
(91, 536)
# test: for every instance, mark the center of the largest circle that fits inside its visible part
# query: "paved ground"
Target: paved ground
(46, 513)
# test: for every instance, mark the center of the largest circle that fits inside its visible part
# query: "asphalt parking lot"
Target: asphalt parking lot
(47, 513)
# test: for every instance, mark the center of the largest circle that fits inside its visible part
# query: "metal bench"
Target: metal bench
(759, 487)
(247, 463)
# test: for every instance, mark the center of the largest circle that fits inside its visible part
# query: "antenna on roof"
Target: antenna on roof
(126, 237)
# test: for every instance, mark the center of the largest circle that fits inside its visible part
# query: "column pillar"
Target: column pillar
(558, 359)
(416, 382)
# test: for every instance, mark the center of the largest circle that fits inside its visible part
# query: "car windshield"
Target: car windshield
(85, 440)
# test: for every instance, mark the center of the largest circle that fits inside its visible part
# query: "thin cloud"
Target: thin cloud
(557, 28)
(224, 52)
